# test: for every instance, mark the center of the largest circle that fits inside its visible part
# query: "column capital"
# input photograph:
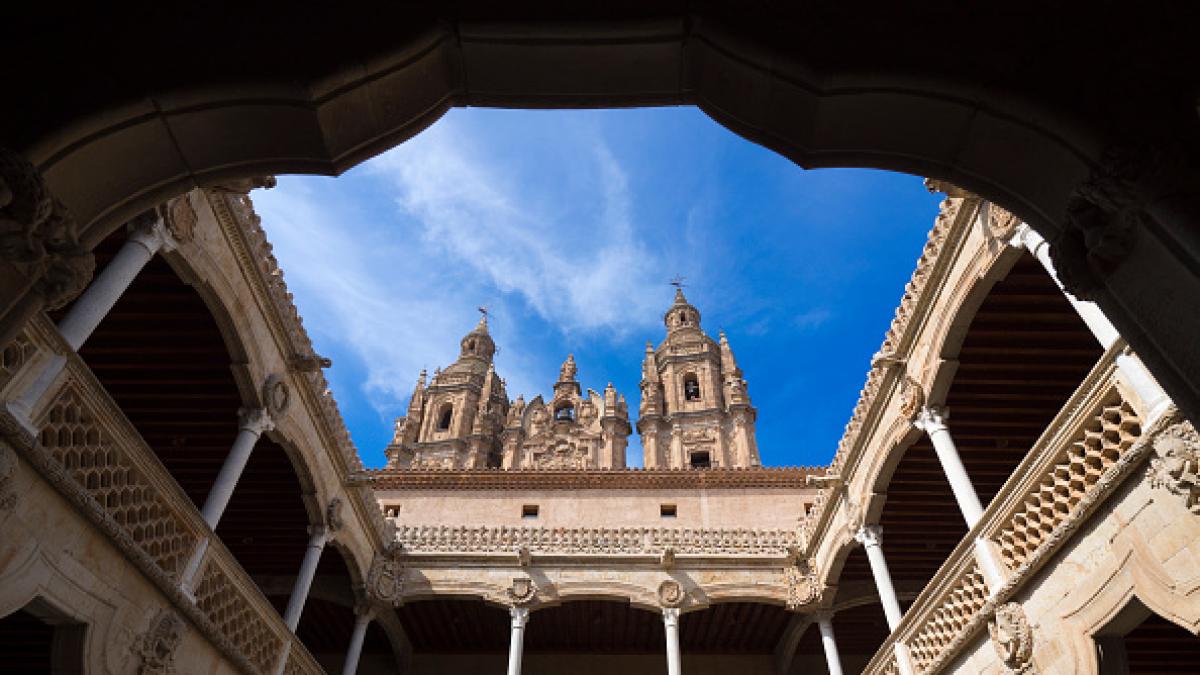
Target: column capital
(520, 616)
(255, 420)
(869, 535)
(321, 532)
(150, 231)
(670, 616)
(932, 418)
(364, 612)
(1027, 238)
(823, 616)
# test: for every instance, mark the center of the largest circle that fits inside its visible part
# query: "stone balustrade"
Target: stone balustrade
(91, 453)
(1093, 444)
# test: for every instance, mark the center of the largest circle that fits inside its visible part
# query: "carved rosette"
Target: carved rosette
(1013, 638)
(157, 645)
(671, 594)
(277, 396)
(385, 580)
(523, 592)
(1176, 465)
(179, 218)
(8, 477)
(912, 398)
(38, 234)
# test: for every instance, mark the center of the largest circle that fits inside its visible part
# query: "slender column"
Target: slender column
(361, 620)
(871, 538)
(254, 422)
(93, 305)
(671, 624)
(932, 420)
(832, 660)
(318, 537)
(1147, 388)
(516, 642)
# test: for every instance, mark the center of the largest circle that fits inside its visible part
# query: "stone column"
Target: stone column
(871, 538)
(362, 619)
(516, 643)
(671, 624)
(253, 422)
(93, 305)
(932, 420)
(832, 660)
(318, 537)
(1106, 334)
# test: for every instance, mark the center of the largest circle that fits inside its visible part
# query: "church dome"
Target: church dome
(681, 314)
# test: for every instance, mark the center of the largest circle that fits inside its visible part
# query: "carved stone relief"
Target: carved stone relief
(385, 580)
(803, 586)
(522, 592)
(912, 398)
(157, 645)
(671, 594)
(276, 395)
(1013, 638)
(1176, 465)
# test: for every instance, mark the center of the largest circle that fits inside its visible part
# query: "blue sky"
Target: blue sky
(568, 225)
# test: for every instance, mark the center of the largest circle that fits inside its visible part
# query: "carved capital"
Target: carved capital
(869, 535)
(519, 616)
(1013, 638)
(1176, 464)
(671, 594)
(157, 645)
(255, 420)
(931, 418)
(38, 235)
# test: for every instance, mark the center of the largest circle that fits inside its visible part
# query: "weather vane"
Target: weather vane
(677, 282)
(483, 310)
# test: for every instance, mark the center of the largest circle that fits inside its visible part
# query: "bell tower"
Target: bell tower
(695, 410)
(455, 421)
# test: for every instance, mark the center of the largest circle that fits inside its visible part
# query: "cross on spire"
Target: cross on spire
(677, 282)
(483, 309)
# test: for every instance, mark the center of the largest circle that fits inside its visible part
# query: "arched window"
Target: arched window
(565, 412)
(691, 387)
(445, 417)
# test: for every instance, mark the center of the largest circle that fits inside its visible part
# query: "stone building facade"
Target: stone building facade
(1013, 492)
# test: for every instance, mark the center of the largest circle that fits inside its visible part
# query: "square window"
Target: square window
(667, 510)
(529, 511)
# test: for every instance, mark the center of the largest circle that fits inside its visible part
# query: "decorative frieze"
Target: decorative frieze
(595, 540)
(783, 478)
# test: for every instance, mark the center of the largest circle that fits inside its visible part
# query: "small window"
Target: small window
(691, 387)
(444, 419)
(700, 460)
(564, 413)
(667, 511)
(529, 511)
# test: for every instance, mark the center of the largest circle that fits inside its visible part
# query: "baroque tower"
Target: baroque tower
(571, 431)
(455, 421)
(695, 410)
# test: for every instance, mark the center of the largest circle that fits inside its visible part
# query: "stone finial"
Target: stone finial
(568, 370)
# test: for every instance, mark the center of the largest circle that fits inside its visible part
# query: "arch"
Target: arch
(445, 416)
(691, 387)
(40, 639)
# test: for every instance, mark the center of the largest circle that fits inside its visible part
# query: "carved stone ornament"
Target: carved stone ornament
(1176, 465)
(385, 580)
(333, 515)
(935, 185)
(311, 363)
(158, 644)
(276, 395)
(38, 234)
(912, 398)
(1013, 638)
(523, 591)
(8, 475)
(245, 185)
(1001, 223)
(803, 587)
(671, 594)
(180, 218)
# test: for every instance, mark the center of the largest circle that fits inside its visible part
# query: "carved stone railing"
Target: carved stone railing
(92, 454)
(1093, 444)
(597, 540)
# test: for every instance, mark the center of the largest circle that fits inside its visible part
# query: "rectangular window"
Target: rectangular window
(667, 511)
(529, 511)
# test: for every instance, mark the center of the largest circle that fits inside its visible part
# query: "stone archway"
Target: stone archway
(886, 89)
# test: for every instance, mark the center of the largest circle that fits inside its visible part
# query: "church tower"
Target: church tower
(695, 410)
(571, 431)
(455, 421)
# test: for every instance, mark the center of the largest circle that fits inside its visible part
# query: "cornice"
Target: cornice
(780, 478)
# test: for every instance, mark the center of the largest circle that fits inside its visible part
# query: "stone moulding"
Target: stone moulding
(608, 479)
(454, 540)
(243, 230)
(1086, 402)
